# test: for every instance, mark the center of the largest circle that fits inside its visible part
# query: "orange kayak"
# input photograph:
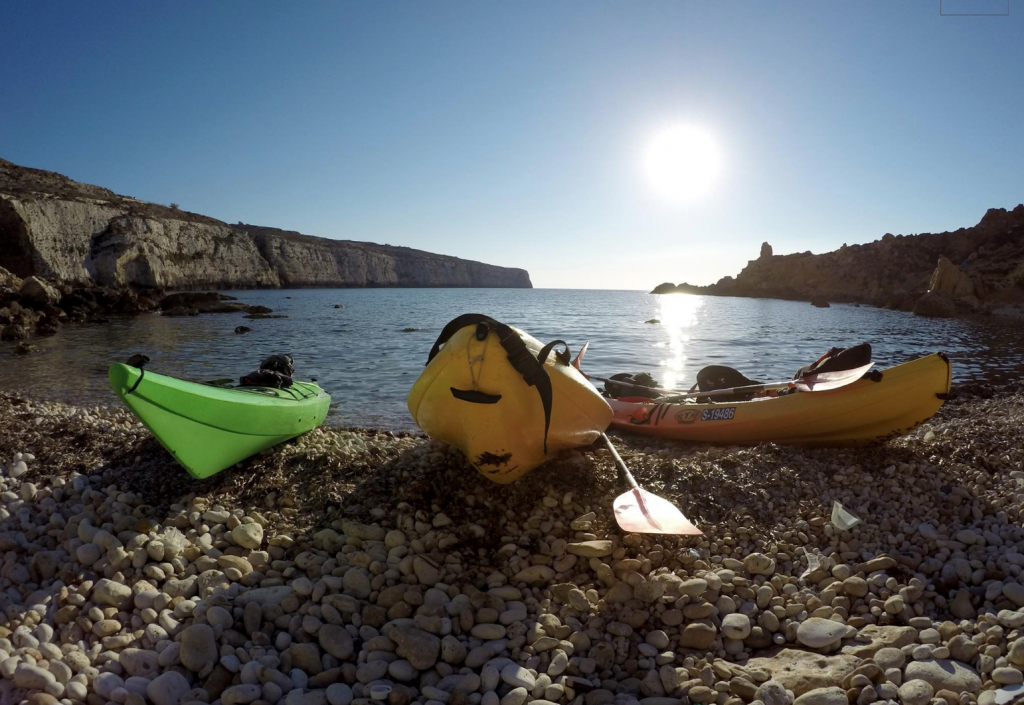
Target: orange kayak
(865, 411)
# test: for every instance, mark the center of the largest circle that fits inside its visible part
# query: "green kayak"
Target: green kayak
(208, 429)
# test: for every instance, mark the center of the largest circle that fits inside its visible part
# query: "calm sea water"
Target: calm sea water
(364, 357)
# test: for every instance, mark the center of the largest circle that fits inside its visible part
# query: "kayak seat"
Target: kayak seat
(715, 377)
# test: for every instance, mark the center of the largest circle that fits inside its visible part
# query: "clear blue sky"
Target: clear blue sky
(513, 132)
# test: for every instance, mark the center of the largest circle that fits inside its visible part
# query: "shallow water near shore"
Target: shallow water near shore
(364, 356)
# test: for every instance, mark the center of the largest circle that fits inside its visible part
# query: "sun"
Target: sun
(683, 163)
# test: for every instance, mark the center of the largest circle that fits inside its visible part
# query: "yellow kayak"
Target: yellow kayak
(876, 407)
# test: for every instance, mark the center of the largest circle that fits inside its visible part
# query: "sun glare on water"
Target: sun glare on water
(679, 315)
(682, 163)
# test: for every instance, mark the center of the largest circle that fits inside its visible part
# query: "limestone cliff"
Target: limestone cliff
(66, 231)
(975, 269)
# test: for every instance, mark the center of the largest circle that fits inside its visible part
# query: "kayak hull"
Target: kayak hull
(856, 414)
(208, 429)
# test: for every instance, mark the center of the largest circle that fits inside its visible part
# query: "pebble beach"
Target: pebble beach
(361, 566)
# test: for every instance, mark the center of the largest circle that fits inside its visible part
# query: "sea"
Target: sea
(369, 352)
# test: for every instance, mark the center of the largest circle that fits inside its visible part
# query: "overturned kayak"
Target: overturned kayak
(207, 428)
(880, 405)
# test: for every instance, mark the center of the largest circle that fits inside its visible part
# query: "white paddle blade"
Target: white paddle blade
(579, 357)
(823, 381)
(639, 511)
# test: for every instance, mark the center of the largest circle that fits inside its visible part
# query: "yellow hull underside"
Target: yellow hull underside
(859, 413)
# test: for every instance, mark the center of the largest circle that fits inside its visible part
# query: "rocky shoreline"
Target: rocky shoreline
(353, 565)
(35, 305)
(976, 270)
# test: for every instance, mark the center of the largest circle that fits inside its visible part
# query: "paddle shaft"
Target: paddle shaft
(620, 462)
(681, 394)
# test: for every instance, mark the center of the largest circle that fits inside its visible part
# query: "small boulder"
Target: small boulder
(167, 688)
(819, 633)
(198, 647)
(38, 292)
(933, 305)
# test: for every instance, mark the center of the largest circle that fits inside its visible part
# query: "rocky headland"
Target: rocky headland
(71, 233)
(974, 270)
(352, 567)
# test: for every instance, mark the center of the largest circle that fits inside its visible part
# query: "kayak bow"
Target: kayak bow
(208, 429)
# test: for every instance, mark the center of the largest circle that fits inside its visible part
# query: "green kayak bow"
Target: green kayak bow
(208, 429)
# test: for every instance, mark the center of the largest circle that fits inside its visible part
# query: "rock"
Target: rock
(517, 676)
(266, 596)
(1015, 654)
(952, 282)
(32, 677)
(145, 245)
(590, 549)
(820, 303)
(13, 332)
(418, 647)
(698, 636)
(1007, 675)
(702, 694)
(427, 572)
(759, 564)
(822, 696)
(736, 626)
(766, 252)
(38, 292)
(962, 606)
(890, 658)
(248, 535)
(402, 670)
(820, 633)
(772, 692)
(1014, 592)
(962, 649)
(452, 651)
(916, 692)
(140, 662)
(874, 637)
(357, 583)
(935, 306)
(242, 329)
(241, 694)
(534, 575)
(336, 641)
(488, 632)
(944, 674)
(339, 694)
(198, 647)
(802, 671)
(306, 657)
(516, 696)
(108, 592)
(167, 688)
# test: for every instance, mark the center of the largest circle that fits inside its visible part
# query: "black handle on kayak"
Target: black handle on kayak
(137, 361)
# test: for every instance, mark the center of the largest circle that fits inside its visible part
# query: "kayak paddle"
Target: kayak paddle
(815, 382)
(639, 511)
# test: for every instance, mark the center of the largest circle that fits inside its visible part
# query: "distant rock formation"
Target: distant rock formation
(899, 271)
(69, 232)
